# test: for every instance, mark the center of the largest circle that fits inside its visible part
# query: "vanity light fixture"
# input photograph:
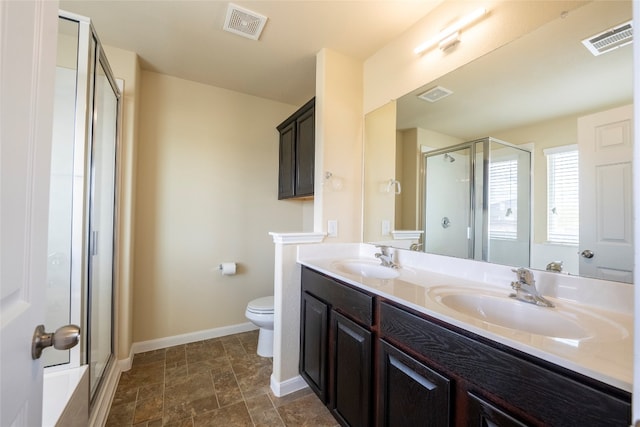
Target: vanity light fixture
(450, 36)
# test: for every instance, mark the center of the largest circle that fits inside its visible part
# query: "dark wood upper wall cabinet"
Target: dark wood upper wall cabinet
(297, 153)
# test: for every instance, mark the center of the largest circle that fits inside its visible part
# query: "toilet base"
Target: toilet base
(265, 343)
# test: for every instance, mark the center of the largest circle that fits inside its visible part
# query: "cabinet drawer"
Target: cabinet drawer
(349, 301)
(549, 396)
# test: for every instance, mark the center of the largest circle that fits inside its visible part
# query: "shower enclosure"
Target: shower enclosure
(477, 202)
(82, 199)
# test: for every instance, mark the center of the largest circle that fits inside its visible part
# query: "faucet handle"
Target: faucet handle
(384, 249)
(524, 275)
(415, 246)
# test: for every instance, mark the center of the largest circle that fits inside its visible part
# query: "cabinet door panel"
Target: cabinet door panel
(286, 179)
(305, 153)
(351, 399)
(411, 394)
(313, 346)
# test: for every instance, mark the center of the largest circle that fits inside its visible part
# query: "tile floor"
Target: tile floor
(218, 382)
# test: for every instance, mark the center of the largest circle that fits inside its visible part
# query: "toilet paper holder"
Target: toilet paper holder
(227, 268)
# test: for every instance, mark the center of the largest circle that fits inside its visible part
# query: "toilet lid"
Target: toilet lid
(261, 305)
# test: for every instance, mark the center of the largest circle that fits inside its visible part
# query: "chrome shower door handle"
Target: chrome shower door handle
(63, 338)
(587, 254)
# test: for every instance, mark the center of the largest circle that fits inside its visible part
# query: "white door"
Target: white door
(28, 35)
(605, 142)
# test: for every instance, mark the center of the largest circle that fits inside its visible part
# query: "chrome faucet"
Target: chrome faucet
(415, 246)
(525, 288)
(386, 256)
(555, 266)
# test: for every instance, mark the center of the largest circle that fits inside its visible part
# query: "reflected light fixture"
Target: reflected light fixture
(450, 36)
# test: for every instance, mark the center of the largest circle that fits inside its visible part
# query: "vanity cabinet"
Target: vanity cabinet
(497, 385)
(430, 373)
(297, 153)
(337, 346)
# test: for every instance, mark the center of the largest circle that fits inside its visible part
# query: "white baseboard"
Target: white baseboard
(285, 387)
(141, 347)
(126, 363)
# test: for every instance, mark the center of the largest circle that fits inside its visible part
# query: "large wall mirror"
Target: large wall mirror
(545, 94)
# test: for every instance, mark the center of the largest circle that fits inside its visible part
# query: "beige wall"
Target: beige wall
(380, 160)
(339, 121)
(206, 193)
(125, 66)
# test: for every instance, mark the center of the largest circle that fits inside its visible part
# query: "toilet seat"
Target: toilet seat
(262, 305)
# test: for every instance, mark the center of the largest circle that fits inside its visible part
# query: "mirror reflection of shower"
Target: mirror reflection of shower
(485, 197)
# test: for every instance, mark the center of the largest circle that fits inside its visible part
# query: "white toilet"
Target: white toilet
(260, 313)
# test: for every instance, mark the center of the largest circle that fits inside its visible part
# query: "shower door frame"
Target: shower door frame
(90, 53)
(79, 206)
(100, 58)
(486, 162)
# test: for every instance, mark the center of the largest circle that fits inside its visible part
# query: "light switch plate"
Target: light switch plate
(386, 227)
(332, 228)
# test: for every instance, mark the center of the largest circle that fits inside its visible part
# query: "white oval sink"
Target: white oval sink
(366, 268)
(498, 309)
(515, 315)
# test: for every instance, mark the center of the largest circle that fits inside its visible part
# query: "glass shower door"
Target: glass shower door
(60, 250)
(101, 225)
(504, 227)
(448, 203)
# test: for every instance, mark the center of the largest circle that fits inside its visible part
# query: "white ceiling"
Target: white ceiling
(185, 38)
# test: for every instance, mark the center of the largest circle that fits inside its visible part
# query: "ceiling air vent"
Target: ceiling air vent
(611, 39)
(435, 94)
(244, 22)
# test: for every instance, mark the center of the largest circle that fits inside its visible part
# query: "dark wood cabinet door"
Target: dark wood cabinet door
(483, 414)
(314, 319)
(286, 177)
(350, 399)
(297, 153)
(411, 394)
(305, 153)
